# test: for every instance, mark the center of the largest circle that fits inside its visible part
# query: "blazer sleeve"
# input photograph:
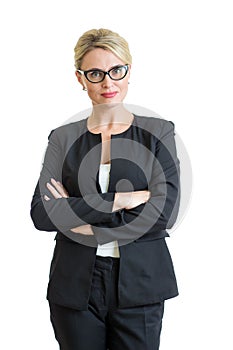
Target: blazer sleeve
(161, 211)
(66, 213)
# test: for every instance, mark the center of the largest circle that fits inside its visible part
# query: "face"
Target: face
(108, 90)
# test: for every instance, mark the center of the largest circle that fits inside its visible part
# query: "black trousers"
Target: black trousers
(104, 326)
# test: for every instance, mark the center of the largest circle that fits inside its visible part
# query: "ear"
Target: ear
(129, 70)
(80, 79)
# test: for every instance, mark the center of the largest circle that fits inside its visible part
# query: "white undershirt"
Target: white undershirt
(111, 248)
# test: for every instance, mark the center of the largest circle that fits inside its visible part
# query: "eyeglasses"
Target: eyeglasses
(98, 75)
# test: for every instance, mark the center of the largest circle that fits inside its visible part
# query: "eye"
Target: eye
(95, 74)
(117, 70)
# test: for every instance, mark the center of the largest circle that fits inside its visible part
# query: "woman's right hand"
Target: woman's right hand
(129, 200)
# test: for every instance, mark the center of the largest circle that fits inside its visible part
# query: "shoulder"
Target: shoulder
(69, 132)
(154, 125)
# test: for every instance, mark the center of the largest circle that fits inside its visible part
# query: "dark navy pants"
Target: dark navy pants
(104, 326)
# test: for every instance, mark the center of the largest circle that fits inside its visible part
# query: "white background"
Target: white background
(182, 69)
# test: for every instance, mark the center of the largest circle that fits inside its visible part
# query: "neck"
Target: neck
(109, 114)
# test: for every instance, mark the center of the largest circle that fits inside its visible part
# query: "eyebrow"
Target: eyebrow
(117, 65)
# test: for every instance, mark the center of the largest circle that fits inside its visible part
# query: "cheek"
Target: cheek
(91, 89)
(124, 86)
(125, 82)
(93, 92)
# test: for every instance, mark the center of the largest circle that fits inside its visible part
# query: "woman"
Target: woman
(109, 186)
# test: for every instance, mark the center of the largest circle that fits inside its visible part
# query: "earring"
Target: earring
(128, 82)
(84, 89)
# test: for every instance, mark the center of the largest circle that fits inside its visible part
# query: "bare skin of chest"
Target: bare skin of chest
(106, 148)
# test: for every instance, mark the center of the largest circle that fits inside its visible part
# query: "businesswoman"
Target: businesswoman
(109, 187)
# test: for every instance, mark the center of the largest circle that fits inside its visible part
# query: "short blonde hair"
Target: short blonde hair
(104, 39)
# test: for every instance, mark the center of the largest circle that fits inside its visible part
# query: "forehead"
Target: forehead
(100, 58)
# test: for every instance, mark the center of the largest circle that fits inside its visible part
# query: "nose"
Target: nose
(107, 82)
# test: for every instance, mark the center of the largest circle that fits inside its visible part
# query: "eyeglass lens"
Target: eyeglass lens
(115, 73)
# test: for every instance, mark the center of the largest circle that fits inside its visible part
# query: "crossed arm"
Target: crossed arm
(122, 200)
(109, 216)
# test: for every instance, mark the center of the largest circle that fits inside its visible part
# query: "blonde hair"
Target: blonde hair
(104, 39)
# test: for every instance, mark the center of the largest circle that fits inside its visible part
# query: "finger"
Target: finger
(60, 188)
(64, 192)
(53, 191)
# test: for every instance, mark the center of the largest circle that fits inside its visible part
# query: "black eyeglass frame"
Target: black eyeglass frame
(85, 72)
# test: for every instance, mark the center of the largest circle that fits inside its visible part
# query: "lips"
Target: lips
(109, 94)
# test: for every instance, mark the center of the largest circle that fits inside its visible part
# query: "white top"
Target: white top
(111, 248)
